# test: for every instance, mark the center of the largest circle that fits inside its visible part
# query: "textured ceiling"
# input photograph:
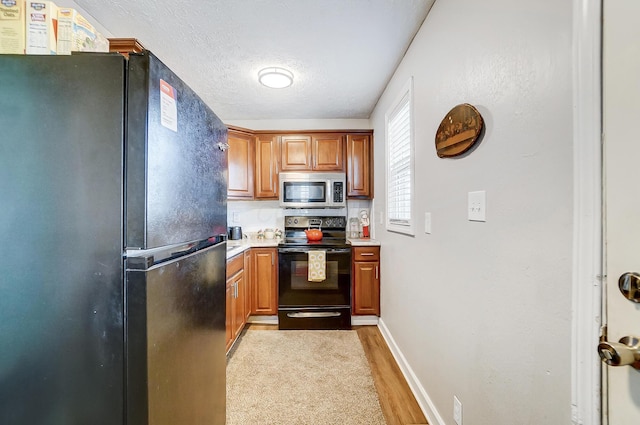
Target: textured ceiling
(342, 52)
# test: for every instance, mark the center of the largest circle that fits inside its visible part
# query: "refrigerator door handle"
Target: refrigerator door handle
(183, 252)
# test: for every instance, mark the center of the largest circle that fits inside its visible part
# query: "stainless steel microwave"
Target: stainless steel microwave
(312, 190)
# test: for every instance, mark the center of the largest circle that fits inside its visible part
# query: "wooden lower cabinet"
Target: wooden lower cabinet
(366, 281)
(230, 314)
(264, 288)
(252, 288)
(236, 294)
(248, 279)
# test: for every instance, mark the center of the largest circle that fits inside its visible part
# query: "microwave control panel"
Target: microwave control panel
(338, 192)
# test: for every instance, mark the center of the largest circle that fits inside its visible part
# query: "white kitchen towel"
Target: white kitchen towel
(317, 266)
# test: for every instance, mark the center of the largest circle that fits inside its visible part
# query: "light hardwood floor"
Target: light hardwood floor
(399, 406)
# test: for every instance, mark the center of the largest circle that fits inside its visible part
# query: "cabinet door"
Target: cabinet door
(295, 151)
(266, 171)
(359, 166)
(265, 281)
(366, 291)
(241, 156)
(230, 314)
(238, 313)
(328, 152)
(248, 279)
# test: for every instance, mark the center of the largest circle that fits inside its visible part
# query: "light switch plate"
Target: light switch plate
(477, 206)
(427, 222)
(234, 217)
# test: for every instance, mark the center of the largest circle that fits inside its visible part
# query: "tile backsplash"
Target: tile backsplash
(258, 215)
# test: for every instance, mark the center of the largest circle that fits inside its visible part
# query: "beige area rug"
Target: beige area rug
(301, 377)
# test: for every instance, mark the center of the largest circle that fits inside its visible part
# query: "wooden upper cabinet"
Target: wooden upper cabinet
(359, 166)
(327, 152)
(255, 159)
(241, 165)
(312, 152)
(124, 46)
(266, 166)
(295, 151)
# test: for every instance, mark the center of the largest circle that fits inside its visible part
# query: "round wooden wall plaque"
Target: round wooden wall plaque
(458, 131)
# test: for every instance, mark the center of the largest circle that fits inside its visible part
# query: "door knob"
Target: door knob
(629, 284)
(625, 352)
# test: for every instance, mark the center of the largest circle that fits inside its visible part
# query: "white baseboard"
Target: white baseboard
(355, 320)
(427, 406)
(364, 320)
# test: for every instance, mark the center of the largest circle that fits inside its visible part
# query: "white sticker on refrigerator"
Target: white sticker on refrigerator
(168, 106)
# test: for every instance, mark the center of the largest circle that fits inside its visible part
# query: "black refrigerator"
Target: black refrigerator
(112, 260)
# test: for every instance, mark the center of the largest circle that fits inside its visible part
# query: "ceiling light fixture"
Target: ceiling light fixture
(276, 78)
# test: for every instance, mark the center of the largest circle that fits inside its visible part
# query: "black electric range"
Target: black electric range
(304, 302)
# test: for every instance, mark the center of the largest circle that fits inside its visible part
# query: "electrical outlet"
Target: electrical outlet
(477, 206)
(457, 410)
(381, 218)
(234, 217)
(427, 222)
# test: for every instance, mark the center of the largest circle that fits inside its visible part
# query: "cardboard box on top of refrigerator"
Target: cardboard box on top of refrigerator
(42, 27)
(76, 34)
(12, 26)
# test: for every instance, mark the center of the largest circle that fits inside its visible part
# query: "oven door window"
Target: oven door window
(305, 192)
(295, 290)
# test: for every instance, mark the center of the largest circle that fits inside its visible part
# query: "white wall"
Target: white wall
(483, 310)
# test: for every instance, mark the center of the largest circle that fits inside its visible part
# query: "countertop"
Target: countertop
(238, 246)
(363, 242)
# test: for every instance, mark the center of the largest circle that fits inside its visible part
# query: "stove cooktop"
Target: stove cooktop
(333, 231)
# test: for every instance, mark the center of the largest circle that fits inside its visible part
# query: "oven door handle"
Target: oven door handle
(313, 315)
(304, 250)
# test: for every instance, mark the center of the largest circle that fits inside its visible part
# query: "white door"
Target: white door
(621, 127)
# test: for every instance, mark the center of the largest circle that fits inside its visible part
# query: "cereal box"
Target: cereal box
(12, 30)
(42, 25)
(76, 34)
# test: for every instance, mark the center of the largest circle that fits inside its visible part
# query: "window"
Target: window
(399, 128)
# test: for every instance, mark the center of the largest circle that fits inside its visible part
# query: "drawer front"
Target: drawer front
(235, 264)
(366, 253)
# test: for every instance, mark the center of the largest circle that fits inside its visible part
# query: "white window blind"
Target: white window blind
(400, 165)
